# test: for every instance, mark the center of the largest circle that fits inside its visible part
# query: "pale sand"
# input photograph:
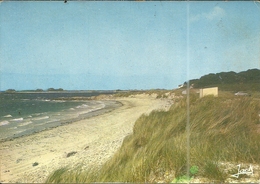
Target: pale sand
(95, 140)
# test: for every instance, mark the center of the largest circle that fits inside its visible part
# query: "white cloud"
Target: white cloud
(215, 13)
(195, 18)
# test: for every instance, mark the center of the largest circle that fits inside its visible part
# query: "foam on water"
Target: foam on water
(101, 106)
(17, 119)
(41, 118)
(85, 112)
(53, 120)
(82, 106)
(19, 131)
(8, 116)
(25, 123)
(95, 107)
(4, 123)
(61, 101)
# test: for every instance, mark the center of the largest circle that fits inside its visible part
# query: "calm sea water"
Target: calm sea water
(27, 113)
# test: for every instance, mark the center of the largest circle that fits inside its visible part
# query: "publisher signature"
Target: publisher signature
(243, 171)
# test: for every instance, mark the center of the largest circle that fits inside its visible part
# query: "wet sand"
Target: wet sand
(90, 142)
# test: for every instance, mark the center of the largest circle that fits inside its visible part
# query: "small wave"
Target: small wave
(98, 107)
(17, 119)
(29, 116)
(8, 116)
(82, 106)
(19, 131)
(26, 123)
(95, 108)
(4, 123)
(13, 128)
(101, 106)
(84, 112)
(72, 109)
(53, 120)
(41, 118)
(60, 101)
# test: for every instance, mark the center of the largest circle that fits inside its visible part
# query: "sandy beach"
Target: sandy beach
(90, 142)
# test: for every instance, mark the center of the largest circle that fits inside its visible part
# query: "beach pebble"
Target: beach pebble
(35, 164)
(71, 154)
(18, 160)
(86, 147)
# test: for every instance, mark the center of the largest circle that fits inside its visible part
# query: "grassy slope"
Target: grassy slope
(220, 129)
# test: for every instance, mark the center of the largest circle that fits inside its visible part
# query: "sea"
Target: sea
(23, 114)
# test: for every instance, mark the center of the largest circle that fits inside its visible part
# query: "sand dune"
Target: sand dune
(89, 142)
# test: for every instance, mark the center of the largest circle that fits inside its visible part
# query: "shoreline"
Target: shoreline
(89, 142)
(94, 113)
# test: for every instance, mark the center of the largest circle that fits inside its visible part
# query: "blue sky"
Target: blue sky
(124, 45)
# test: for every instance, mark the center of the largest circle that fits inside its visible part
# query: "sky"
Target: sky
(90, 45)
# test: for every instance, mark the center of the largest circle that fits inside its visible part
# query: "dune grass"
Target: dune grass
(220, 130)
(160, 93)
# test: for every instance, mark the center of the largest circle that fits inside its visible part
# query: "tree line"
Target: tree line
(37, 90)
(249, 76)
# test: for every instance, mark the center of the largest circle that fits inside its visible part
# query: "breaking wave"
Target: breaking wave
(41, 118)
(17, 119)
(25, 123)
(4, 123)
(8, 116)
(82, 106)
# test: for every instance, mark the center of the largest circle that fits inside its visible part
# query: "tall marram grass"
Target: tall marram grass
(221, 130)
